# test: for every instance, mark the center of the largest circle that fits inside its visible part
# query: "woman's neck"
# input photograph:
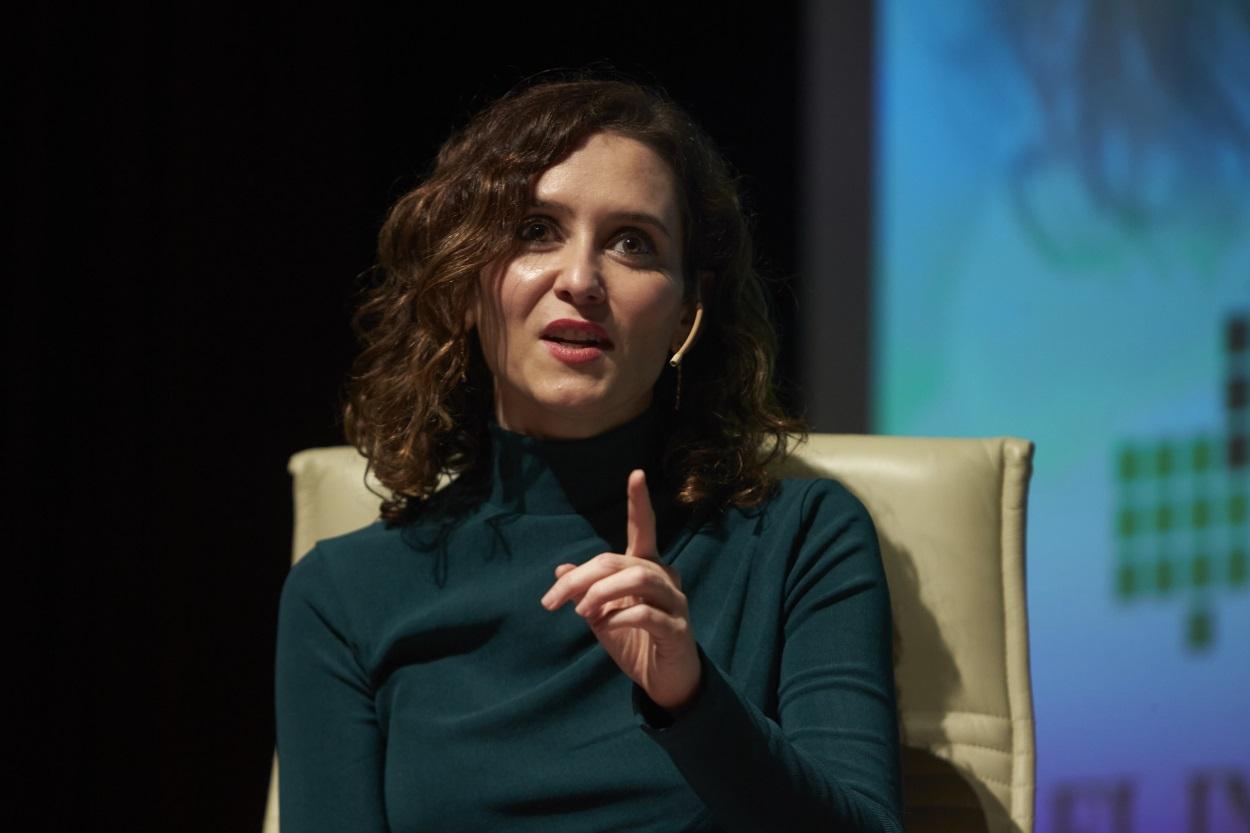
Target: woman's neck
(532, 475)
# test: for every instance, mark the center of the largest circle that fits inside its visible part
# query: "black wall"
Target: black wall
(197, 192)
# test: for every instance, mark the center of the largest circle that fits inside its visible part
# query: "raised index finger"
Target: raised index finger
(640, 525)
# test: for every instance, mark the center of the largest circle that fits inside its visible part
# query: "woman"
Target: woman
(613, 618)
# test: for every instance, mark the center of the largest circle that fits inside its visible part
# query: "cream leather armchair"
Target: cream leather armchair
(950, 514)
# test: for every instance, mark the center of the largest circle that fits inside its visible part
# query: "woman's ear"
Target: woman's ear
(687, 332)
(471, 311)
(705, 283)
(682, 331)
(691, 317)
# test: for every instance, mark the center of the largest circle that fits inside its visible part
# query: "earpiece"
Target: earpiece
(690, 337)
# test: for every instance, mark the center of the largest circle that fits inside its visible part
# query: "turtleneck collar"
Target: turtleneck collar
(558, 477)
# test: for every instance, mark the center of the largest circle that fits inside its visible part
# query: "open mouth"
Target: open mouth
(573, 334)
(577, 342)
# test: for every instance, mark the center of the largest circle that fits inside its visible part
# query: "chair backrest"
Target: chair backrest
(950, 515)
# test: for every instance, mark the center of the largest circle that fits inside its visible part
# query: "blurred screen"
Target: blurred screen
(1063, 254)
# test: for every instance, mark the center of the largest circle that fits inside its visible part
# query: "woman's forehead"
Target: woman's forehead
(611, 175)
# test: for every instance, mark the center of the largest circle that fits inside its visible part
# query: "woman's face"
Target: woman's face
(576, 328)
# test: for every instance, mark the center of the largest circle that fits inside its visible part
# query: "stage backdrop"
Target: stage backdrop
(1062, 252)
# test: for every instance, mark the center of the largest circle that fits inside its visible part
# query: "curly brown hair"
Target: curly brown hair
(419, 398)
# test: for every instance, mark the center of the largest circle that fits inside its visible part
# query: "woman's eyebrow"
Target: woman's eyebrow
(630, 216)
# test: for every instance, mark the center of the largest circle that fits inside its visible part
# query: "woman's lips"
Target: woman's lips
(571, 353)
(575, 342)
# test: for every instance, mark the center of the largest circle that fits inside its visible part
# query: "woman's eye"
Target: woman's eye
(634, 243)
(534, 231)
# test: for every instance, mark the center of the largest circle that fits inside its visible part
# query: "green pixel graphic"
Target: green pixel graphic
(1182, 525)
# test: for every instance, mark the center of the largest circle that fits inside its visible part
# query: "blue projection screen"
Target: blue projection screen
(1062, 253)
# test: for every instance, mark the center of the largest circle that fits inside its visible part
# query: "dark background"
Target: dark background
(197, 193)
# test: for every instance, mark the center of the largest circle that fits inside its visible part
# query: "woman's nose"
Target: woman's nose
(580, 281)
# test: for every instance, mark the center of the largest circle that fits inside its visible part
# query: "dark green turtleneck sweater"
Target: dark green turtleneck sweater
(421, 686)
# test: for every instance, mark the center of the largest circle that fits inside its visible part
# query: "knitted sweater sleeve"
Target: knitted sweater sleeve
(829, 761)
(330, 747)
